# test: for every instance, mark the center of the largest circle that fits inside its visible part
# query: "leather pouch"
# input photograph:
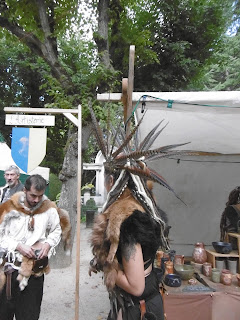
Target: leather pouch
(39, 264)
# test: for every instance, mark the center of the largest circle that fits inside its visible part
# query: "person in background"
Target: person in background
(231, 216)
(29, 230)
(13, 185)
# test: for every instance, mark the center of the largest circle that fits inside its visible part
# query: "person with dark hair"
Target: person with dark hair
(13, 184)
(231, 216)
(38, 181)
(130, 229)
(29, 232)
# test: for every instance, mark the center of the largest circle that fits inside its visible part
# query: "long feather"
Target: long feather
(179, 153)
(154, 137)
(116, 138)
(127, 140)
(145, 142)
(148, 153)
(160, 180)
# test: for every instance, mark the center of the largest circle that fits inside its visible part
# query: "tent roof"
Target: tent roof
(208, 120)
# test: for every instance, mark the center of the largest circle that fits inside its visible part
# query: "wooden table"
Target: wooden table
(223, 304)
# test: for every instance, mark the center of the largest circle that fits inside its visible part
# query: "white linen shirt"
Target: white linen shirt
(46, 229)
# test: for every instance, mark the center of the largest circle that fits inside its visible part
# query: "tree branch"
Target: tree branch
(42, 10)
(28, 38)
(44, 50)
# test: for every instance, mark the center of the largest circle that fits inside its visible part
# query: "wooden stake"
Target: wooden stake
(130, 87)
(124, 97)
(78, 212)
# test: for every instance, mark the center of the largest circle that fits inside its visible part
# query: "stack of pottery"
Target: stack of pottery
(220, 263)
(232, 264)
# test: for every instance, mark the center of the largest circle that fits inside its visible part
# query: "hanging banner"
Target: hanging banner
(28, 147)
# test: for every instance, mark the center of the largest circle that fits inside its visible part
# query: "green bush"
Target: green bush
(55, 186)
(90, 205)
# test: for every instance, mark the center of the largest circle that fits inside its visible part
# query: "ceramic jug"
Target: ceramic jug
(207, 269)
(199, 253)
(168, 267)
(226, 277)
(216, 275)
(179, 259)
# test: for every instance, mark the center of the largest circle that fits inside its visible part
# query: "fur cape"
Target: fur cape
(105, 236)
(9, 209)
(16, 203)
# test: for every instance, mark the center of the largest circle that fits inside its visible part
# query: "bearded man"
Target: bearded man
(29, 231)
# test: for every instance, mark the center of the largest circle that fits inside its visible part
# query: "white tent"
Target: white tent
(210, 122)
(7, 160)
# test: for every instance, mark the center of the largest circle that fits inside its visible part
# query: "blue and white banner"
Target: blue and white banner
(28, 147)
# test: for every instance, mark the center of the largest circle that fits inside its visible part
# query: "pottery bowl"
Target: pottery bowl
(172, 280)
(185, 271)
(222, 247)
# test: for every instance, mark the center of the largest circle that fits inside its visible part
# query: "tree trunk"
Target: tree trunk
(68, 198)
(101, 37)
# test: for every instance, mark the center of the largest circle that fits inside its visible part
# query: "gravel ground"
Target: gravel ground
(59, 289)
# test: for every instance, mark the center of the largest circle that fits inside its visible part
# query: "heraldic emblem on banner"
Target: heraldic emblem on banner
(28, 147)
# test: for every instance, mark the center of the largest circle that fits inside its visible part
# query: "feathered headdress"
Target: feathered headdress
(128, 157)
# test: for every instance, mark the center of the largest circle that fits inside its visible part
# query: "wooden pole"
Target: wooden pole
(78, 212)
(124, 97)
(130, 87)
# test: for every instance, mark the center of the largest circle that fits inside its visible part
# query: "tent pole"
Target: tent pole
(130, 87)
(78, 212)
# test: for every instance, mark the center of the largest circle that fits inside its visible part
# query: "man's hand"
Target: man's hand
(43, 249)
(26, 251)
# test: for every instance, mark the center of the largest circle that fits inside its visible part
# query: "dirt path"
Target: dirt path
(59, 289)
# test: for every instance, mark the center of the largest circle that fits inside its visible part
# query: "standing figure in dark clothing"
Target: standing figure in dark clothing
(231, 216)
(130, 229)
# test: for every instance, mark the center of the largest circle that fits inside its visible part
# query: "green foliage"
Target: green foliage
(173, 39)
(58, 197)
(90, 205)
(54, 187)
(87, 186)
(222, 71)
(25, 13)
(21, 76)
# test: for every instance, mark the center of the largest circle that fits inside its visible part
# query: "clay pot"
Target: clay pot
(207, 269)
(216, 275)
(226, 277)
(179, 259)
(168, 267)
(199, 253)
